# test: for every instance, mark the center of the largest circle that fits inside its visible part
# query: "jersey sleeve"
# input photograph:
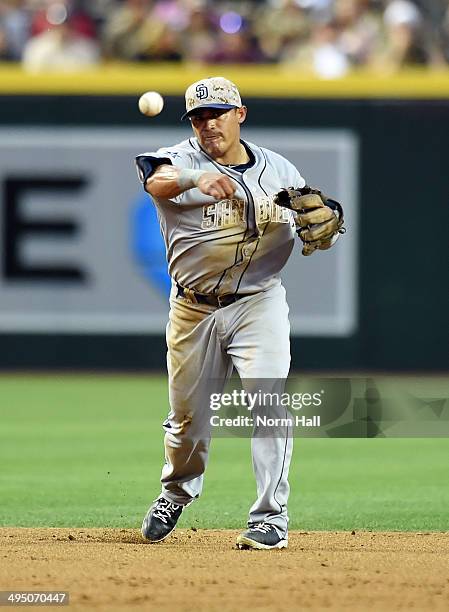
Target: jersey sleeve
(292, 176)
(147, 163)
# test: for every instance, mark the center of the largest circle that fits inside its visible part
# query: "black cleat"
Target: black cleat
(261, 536)
(160, 520)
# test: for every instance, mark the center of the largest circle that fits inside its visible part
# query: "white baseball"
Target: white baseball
(151, 103)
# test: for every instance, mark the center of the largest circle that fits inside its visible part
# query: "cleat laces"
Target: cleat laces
(262, 527)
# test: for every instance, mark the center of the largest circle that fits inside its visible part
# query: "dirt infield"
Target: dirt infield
(202, 570)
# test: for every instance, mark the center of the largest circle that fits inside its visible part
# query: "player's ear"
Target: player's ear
(241, 113)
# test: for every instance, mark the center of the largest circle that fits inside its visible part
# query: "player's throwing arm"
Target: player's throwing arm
(169, 182)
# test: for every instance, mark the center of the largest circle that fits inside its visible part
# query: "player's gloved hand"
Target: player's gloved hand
(217, 185)
(319, 219)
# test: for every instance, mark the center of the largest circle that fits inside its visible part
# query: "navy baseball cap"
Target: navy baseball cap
(213, 92)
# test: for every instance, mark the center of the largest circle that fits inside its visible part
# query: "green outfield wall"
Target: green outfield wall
(401, 254)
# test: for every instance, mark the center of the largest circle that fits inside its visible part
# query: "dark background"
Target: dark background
(403, 251)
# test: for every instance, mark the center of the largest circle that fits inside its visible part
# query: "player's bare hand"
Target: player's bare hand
(217, 185)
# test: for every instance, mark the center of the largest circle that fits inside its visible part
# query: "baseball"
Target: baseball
(151, 103)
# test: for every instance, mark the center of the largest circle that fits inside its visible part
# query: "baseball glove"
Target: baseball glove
(319, 219)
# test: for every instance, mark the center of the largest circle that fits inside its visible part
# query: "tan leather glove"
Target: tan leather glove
(319, 219)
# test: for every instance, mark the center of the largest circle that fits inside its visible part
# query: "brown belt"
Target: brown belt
(219, 301)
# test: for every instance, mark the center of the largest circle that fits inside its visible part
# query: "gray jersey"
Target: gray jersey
(236, 245)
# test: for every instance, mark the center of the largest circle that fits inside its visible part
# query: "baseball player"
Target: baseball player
(229, 216)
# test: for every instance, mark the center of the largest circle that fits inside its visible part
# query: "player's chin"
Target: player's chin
(213, 146)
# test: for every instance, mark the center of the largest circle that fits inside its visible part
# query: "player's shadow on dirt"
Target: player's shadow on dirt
(98, 536)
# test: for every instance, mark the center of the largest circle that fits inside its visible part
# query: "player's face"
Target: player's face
(218, 131)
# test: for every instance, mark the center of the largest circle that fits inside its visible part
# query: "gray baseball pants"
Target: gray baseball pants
(204, 344)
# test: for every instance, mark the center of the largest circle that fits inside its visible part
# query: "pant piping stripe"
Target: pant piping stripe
(282, 469)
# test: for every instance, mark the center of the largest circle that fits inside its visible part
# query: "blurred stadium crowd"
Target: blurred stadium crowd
(327, 38)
